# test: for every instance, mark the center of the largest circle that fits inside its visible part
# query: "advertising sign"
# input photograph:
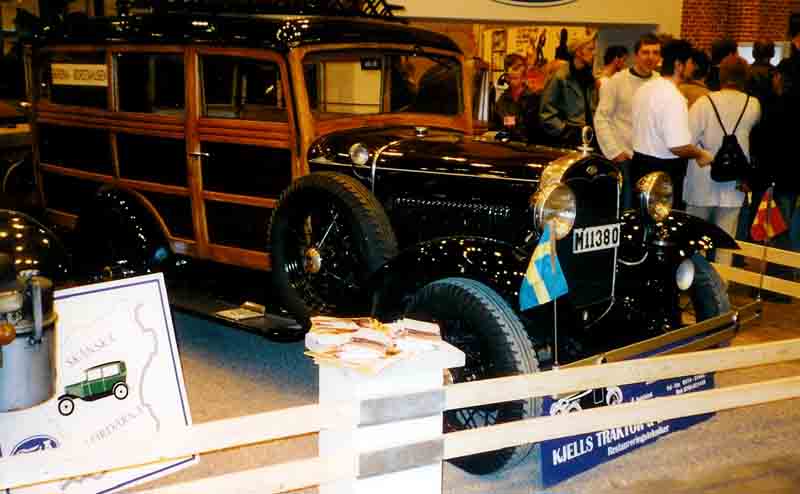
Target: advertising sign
(119, 380)
(79, 74)
(564, 457)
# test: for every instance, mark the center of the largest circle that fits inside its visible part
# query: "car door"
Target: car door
(241, 148)
(110, 377)
(94, 382)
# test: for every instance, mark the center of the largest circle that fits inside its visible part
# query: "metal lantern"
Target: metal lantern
(27, 340)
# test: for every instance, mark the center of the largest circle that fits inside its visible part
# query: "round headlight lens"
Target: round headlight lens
(359, 154)
(684, 276)
(555, 204)
(655, 191)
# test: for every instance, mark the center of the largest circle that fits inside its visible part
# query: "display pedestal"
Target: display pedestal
(397, 442)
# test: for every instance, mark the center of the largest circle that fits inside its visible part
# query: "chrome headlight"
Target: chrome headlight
(655, 193)
(684, 275)
(359, 154)
(554, 204)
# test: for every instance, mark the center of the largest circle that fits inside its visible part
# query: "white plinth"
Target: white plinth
(420, 378)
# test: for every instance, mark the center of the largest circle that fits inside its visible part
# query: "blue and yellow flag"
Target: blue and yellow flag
(544, 280)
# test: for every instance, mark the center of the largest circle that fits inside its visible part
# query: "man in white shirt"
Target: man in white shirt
(661, 137)
(613, 119)
(720, 202)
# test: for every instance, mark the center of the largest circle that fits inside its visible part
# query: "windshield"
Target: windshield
(366, 82)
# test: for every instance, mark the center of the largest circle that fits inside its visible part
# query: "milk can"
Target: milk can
(27, 340)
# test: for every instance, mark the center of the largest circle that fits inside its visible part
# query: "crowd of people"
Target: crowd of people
(670, 111)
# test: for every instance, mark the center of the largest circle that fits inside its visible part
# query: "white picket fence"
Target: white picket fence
(383, 433)
(757, 280)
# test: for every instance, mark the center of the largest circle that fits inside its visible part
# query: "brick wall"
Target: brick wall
(744, 20)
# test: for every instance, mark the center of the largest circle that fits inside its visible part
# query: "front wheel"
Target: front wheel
(66, 406)
(708, 293)
(478, 321)
(328, 234)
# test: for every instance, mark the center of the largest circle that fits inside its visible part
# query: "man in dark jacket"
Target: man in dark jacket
(569, 98)
(775, 152)
(787, 176)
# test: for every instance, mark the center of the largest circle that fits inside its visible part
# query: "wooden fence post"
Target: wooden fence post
(397, 441)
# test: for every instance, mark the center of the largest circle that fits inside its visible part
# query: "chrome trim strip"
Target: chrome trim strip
(323, 161)
(635, 263)
(375, 161)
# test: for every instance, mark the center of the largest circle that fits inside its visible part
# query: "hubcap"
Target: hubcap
(313, 260)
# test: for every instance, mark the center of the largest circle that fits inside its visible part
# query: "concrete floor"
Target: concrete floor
(230, 373)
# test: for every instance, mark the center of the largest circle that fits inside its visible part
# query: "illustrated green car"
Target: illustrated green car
(98, 382)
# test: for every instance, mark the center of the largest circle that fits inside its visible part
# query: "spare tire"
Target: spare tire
(328, 234)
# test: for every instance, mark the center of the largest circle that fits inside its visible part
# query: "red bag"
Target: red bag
(768, 222)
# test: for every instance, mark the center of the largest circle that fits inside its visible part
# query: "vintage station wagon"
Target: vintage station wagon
(339, 154)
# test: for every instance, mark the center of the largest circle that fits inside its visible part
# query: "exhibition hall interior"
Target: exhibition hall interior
(357, 246)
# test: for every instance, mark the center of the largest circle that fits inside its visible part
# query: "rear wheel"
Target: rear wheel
(120, 391)
(478, 321)
(328, 234)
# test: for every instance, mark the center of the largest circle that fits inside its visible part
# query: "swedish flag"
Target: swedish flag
(544, 280)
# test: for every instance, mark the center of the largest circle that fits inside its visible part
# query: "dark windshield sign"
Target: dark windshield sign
(370, 63)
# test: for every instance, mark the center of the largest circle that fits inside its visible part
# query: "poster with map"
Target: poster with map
(119, 382)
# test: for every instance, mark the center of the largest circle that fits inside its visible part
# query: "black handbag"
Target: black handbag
(730, 162)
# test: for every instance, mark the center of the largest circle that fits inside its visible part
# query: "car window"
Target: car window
(150, 83)
(371, 82)
(111, 370)
(93, 374)
(242, 88)
(75, 79)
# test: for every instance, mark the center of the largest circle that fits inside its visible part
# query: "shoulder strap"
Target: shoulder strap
(724, 132)
(741, 114)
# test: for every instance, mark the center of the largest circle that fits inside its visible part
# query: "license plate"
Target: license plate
(595, 238)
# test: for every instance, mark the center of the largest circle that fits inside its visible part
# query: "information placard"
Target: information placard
(119, 381)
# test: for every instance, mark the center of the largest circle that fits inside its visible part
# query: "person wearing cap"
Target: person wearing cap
(569, 97)
(614, 119)
(662, 140)
(514, 110)
(720, 202)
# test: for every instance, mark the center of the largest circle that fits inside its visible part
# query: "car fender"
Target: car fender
(499, 265)
(33, 246)
(125, 218)
(680, 231)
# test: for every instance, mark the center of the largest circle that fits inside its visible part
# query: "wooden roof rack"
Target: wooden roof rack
(355, 8)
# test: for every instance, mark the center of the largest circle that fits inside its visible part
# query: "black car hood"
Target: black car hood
(438, 151)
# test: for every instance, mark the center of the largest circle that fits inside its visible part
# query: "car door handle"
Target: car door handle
(199, 154)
